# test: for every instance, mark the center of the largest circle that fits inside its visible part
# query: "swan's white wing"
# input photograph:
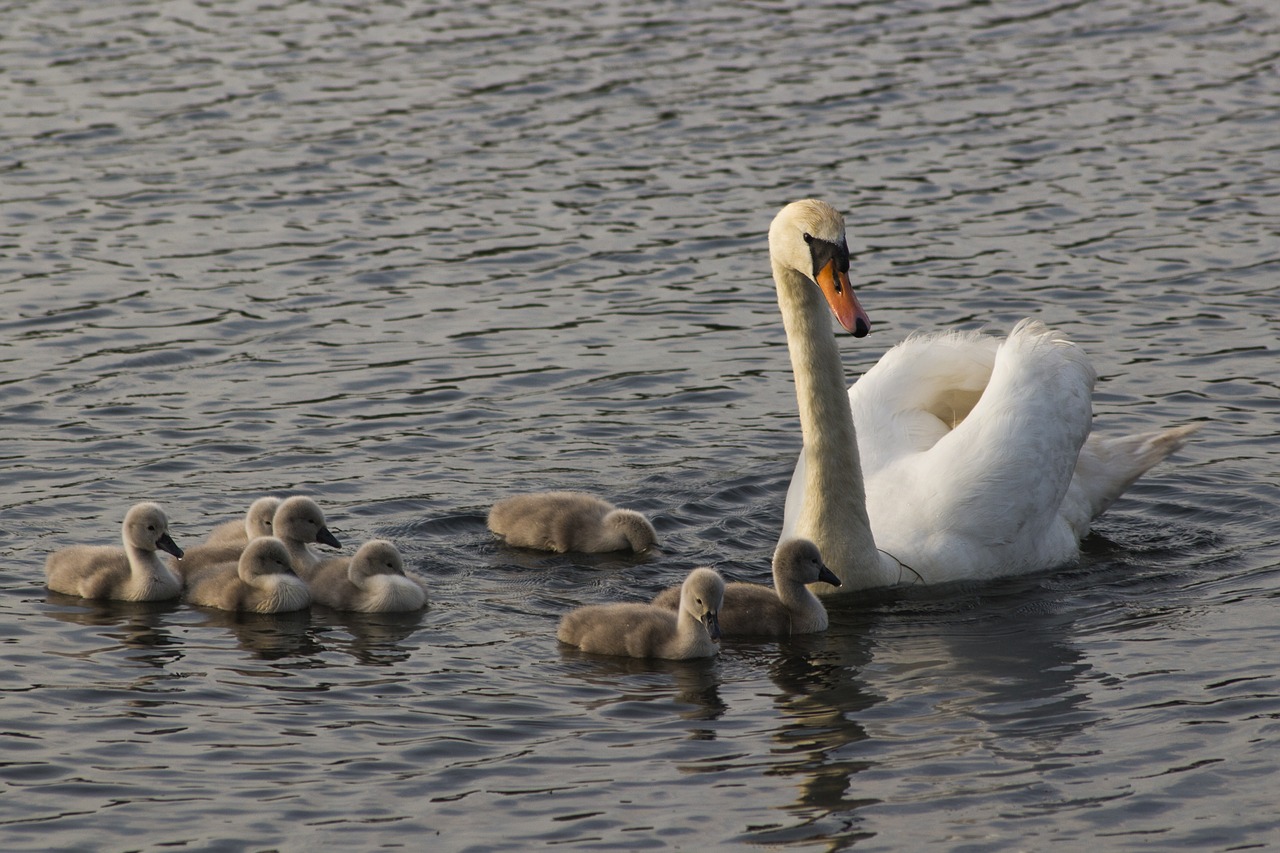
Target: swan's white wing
(907, 401)
(990, 491)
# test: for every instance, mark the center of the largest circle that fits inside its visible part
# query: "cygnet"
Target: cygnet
(373, 581)
(261, 581)
(569, 521)
(226, 542)
(298, 522)
(256, 522)
(645, 631)
(752, 609)
(132, 573)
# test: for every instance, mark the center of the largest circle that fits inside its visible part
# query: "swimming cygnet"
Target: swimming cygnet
(645, 631)
(298, 522)
(569, 521)
(752, 609)
(134, 573)
(373, 581)
(261, 581)
(226, 542)
(256, 522)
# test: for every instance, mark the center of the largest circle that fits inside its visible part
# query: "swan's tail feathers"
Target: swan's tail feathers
(1108, 466)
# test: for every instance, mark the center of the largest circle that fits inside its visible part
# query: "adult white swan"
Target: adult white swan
(972, 456)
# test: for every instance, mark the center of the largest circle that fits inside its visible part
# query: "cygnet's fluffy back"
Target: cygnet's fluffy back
(372, 581)
(569, 521)
(789, 608)
(645, 631)
(261, 581)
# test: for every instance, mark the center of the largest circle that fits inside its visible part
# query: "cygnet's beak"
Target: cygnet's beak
(712, 621)
(827, 576)
(166, 543)
(324, 537)
(843, 301)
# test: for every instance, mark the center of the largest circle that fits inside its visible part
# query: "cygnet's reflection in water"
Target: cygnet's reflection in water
(268, 636)
(134, 624)
(694, 683)
(374, 639)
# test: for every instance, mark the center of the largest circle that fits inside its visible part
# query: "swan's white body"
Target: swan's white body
(957, 456)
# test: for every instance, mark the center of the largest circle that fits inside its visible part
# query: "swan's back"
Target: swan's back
(261, 581)
(645, 631)
(569, 521)
(131, 573)
(372, 581)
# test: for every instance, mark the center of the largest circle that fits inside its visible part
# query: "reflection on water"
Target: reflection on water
(409, 260)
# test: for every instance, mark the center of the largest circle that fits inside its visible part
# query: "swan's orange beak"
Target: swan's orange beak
(840, 296)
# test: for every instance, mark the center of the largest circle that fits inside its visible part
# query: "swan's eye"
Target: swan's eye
(808, 238)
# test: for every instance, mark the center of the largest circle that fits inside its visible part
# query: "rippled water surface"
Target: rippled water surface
(409, 260)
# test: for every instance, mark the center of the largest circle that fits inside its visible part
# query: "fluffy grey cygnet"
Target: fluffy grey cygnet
(226, 542)
(752, 609)
(256, 522)
(373, 581)
(261, 581)
(298, 523)
(644, 631)
(569, 521)
(132, 573)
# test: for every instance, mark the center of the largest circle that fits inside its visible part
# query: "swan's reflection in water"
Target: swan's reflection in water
(920, 682)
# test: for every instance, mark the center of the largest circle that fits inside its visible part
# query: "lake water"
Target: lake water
(409, 261)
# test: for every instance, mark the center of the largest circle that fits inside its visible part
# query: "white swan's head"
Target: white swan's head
(702, 595)
(800, 561)
(808, 237)
(146, 527)
(634, 527)
(300, 519)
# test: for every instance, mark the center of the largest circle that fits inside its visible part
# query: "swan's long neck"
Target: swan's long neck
(834, 512)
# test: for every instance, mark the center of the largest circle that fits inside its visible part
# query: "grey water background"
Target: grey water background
(409, 258)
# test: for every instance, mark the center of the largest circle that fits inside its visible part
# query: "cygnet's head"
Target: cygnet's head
(263, 557)
(375, 557)
(147, 527)
(300, 519)
(800, 561)
(639, 533)
(258, 520)
(702, 595)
